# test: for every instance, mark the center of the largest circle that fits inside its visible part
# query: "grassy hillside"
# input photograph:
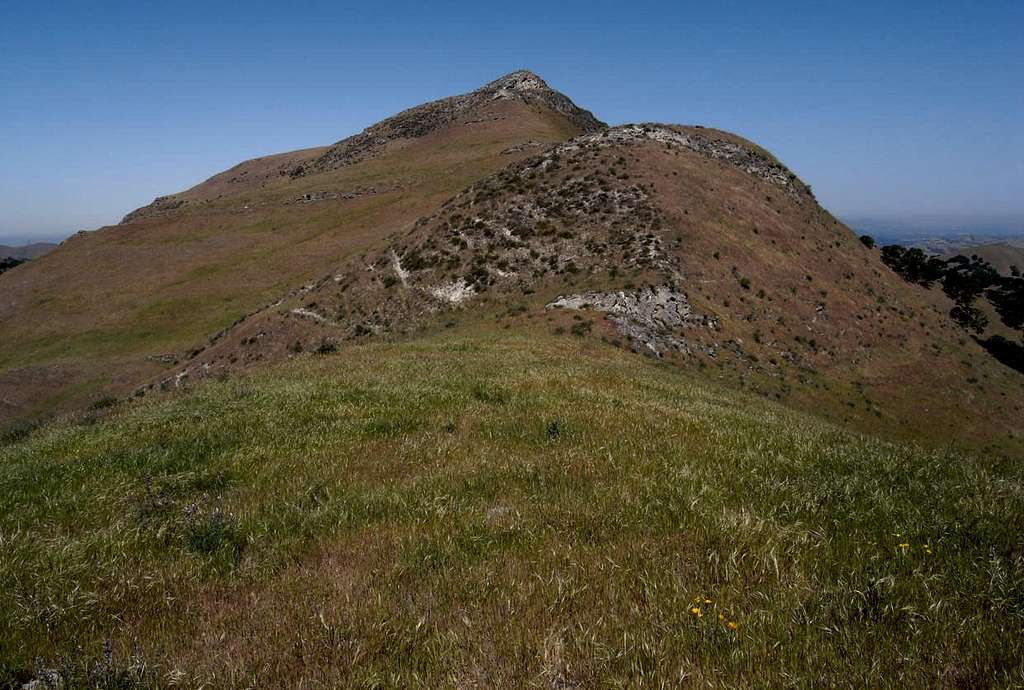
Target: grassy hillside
(109, 309)
(503, 509)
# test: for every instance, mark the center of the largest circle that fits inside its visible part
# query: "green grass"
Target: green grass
(503, 511)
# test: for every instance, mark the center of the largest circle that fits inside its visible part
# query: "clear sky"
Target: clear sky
(896, 112)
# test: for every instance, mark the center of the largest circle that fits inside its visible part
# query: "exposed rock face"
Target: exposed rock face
(328, 195)
(416, 122)
(653, 316)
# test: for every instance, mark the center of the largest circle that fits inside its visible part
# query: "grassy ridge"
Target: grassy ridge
(508, 511)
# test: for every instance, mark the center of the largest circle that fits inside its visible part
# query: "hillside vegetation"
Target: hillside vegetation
(490, 508)
(684, 242)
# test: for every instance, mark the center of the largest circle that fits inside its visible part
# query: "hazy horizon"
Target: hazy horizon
(893, 113)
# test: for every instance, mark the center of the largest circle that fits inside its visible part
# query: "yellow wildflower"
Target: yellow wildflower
(732, 625)
(721, 616)
(695, 612)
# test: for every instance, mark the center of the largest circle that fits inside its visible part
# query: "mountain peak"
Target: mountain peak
(521, 85)
(518, 81)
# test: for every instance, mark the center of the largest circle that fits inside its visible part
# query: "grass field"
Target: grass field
(513, 510)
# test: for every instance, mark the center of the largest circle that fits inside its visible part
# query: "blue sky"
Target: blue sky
(896, 112)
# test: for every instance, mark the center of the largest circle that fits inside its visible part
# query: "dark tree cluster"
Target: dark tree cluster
(9, 262)
(965, 280)
(913, 265)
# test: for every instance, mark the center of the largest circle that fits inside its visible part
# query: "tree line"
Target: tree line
(966, 281)
(9, 262)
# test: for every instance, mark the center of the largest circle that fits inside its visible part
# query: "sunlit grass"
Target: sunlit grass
(504, 512)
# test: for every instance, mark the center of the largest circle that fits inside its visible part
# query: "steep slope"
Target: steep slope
(119, 305)
(683, 243)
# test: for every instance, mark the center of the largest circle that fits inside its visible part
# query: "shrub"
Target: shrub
(326, 347)
(555, 429)
(104, 402)
(581, 328)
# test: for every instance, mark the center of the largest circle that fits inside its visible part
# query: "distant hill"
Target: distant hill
(26, 251)
(1002, 251)
(1002, 255)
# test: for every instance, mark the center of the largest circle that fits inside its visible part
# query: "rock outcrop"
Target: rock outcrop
(746, 157)
(653, 316)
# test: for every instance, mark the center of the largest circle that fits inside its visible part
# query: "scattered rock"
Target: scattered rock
(747, 159)
(652, 316)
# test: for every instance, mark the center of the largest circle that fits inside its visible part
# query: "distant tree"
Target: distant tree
(969, 317)
(7, 263)
(913, 265)
(1007, 296)
(964, 280)
(868, 241)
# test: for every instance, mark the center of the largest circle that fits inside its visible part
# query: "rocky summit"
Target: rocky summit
(468, 109)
